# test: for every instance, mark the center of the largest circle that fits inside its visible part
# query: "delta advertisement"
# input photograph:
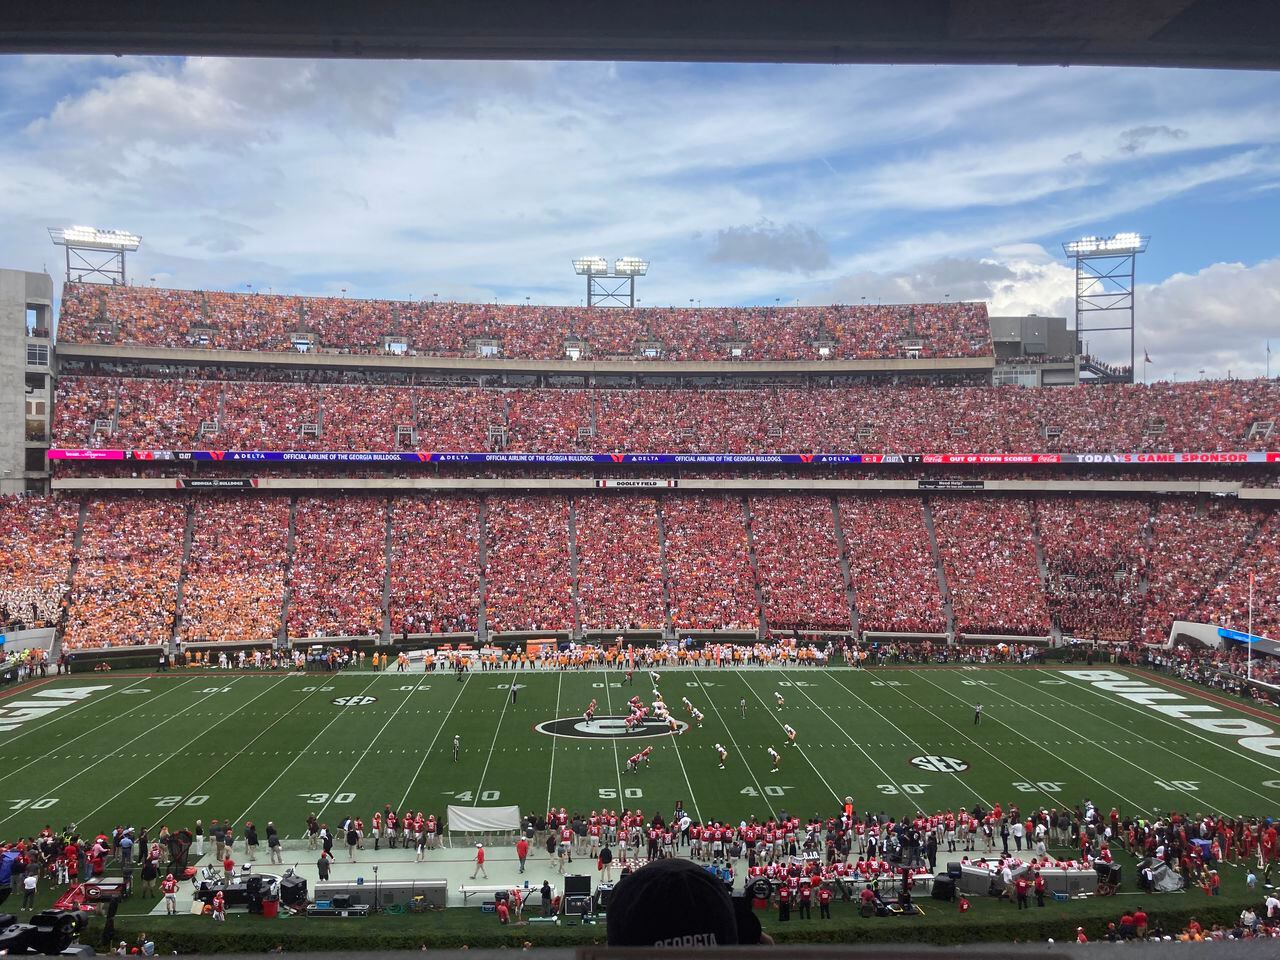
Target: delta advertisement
(746, 459)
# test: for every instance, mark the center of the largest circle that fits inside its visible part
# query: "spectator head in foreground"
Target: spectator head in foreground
(674, 903)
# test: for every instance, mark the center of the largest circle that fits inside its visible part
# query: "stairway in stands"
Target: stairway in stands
(940, 570)
(573, 567)
(666, 571)
(283, 636)
(386, 574)
(179, 590)
(845, 570)
(1042, 566)
(755, 564)
(482, 619)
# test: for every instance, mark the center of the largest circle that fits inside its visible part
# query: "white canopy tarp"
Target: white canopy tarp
(483, 819)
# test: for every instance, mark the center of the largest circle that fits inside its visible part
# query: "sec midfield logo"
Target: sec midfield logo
(936, 764)
(607, 728)
(354, 701)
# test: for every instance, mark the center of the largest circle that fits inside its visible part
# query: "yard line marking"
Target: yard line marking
(692, 797)
(89, 703)
(175, 753)
(617, 767)
(432, 745)
(298, 756)
(109, 720)
(912, 740)
(1038, 745)
(551, 771)
(733, 743)
(262, 733)
(376, 739)
(803, 752)
(121, 747)
(496, 731)
(1198, 736)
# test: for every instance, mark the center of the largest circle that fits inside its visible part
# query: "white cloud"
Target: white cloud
(399, 178)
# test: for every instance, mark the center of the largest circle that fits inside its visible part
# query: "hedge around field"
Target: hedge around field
(989, 922)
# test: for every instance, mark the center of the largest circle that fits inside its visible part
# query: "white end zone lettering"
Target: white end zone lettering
(14, 713)
(1253, 736)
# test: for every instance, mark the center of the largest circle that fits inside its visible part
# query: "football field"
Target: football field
(98, 750)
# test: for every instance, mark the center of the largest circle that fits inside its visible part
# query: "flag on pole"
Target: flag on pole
(1146, 357)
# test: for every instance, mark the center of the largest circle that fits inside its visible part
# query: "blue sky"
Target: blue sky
(743, 184)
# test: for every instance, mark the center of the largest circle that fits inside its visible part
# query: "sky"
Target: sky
(743, 184)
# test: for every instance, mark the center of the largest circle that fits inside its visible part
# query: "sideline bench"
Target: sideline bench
(468, 890)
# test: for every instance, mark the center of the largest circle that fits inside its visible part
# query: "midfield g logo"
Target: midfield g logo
(608, 728)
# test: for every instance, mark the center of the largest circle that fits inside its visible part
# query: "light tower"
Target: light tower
(1105, 268)
(94, 253)
(616, 289)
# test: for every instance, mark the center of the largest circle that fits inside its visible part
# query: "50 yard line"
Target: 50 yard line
(551, 767)
(617, 767)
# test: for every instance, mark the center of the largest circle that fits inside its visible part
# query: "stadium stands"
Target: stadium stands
(989, 555)
(527, 565)
(619, 563)
(1194, 544)
(1198, 416)
(799, 562)
(435, 564)
(339, 564)
(1227, 603)
(1100, 567)
(1094, 556)
(230, 321)
(235, 570)
(36, 538)
(126, 581)
(1114, 568)
(711, 581)
(895, 580)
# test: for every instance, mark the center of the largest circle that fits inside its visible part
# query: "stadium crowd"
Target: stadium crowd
(235, 569)
(435, 564)
(895, 580)
(798, 557)
(127, 571)
(988, 553)
(711, 582)
(1095, 558)
(233, 321)
(36, 539)
(619, 563)
(339, 562)
(1114, 568)
(527, 563)
(1201, 416)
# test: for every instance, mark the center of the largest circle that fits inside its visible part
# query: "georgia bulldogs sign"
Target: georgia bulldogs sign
(607, 728)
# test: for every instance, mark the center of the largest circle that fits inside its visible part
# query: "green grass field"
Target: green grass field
(152, 749)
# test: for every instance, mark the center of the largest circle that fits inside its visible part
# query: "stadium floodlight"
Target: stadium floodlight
(630, 267)
(1120, 244)
(93, 254)
(94, 239)
(591, 266)
(1106, 271)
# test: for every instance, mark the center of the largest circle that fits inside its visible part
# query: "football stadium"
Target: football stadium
(334, 618)
(325, 600)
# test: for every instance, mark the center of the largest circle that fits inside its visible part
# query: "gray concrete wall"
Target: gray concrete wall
(17, 289)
